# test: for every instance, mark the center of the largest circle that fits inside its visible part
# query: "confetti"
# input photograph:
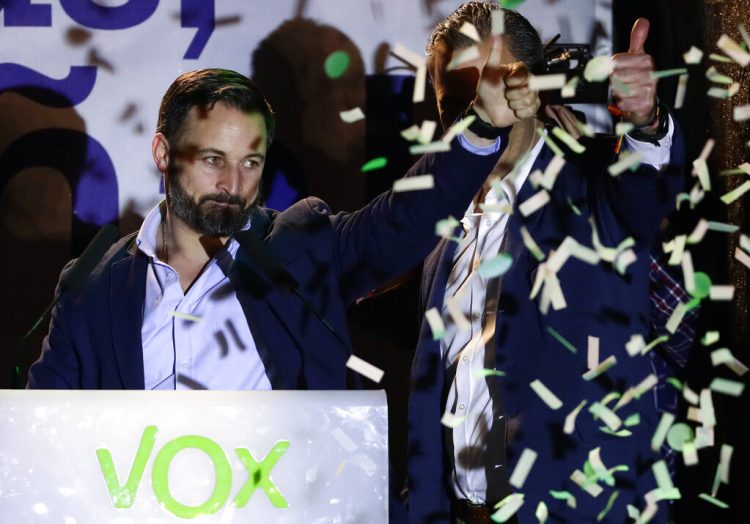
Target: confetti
(542, 513)
(413, 183)
(726, 458)
(482, 373)
(374, 164)
(569, 91)
(436, 323)
(727, 387)
(623, 128)
(708, 416)
(463, 56)
(342, 438)
(600, 369)
(700, 169)
(714, 76)
(451, 420)
(562, 340)
(549, 142)
(689, 395)
(420, 80)
(592, 355)
(635, 344)
(185, 316)
(498, 22)
(714, 501)
(496, 266)
(427, 131)
(364, 368)
(568, 140)
(458, 128)
(663, 479)
(336, 64)
(432, 147)
(550, 173)
(666, 421)
(628, 160)
(688, 273)
(454, 310)
(711, 337)
(720, 58)
(570, 418)
(678, 250)
(352, 115)
(733, 50)
(668, 72)
(411, 133)
(531, 244)
(722, 227)
(546, 82)
(741, 113)
(470, 30)
(534, 203)
(693, 55)
(446, 227)
(608, 507)
(678, 434)
(721, 292)
(407, 55)
(608, 416)
(679, 98)
(724, 356)
(510, 4)
(598, 69)
(523, 467)
(582, 481)
(507, 507)
(546, 395)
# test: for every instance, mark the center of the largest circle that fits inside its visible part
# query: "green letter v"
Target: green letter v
(124, 496)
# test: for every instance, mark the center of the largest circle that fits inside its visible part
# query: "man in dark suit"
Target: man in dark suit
(551, 258)
(181, 305)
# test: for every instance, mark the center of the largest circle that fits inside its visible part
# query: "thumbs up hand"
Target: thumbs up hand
(633, 89)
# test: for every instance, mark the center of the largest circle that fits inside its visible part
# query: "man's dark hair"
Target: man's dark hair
(204, 88)
(522, 38)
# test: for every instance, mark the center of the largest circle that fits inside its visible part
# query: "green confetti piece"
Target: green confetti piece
(376, 163)
(550, 143)
(729, 172)
(623, 433)
(608, 507)
(568, 140)
(336, 64)
(727, 387)
(496, 266)
(546, 395)
(608, 416)
(654, 343)
(482, 373)
(507, 507)
(675, 383)
(717, 480)
(668, 72)
(720, 58)
(510, 4)
(609, 397)
(557, 336)
(619, 467)
(702, 286)
(722, 227)
(633, 420)
(736, 193)
(713, 500)
(601, 368)
(661, 473)
(666, 421)
(542, 513)
(575, 208)
(561, 495)
(678, 435)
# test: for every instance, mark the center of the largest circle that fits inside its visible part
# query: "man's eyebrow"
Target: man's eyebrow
(217, 152)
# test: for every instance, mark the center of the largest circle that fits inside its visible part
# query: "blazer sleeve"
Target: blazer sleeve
(396, 230)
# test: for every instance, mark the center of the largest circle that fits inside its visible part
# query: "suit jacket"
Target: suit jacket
(94, 340)
(600, 303)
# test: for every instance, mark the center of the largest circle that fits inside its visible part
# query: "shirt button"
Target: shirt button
(465, 358)
(461, 407)
(475, 316)
(184, 365)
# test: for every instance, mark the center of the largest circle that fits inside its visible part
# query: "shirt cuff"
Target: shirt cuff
(479, 150)
(657, 156)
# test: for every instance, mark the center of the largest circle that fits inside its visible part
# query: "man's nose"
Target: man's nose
(230, 181)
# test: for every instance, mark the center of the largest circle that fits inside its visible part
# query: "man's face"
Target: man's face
(213, 172)
(457, 88)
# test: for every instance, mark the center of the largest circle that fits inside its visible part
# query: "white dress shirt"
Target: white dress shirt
(468, 394)
(198, 338)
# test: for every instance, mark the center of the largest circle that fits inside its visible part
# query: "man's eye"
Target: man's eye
(251, 163)
(212, 161)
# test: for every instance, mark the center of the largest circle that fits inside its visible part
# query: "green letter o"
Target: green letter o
(160, 476)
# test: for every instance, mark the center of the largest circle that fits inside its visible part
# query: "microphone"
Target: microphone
(280, 278)
(74, 277)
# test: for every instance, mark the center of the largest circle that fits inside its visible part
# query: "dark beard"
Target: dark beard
(204, 216)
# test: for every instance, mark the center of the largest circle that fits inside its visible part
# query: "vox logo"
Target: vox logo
(258, 474)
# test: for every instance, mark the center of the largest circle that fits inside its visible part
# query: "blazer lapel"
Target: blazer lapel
(127, 294)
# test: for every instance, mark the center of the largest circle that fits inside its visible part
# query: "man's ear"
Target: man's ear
(160, 152)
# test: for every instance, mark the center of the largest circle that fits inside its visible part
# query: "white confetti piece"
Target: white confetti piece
(608, 416)
(666, 421)
(523, 468)
(598, 69)
(628, 160)
(679, 98)
(508, 507)
(676, 317)
(408, 56)
(688, 274)
(463, 56)
(736, 193)
(413, 183)
(552, 170)
(693, 55)
(534, 203)
(546, 395)
(570, 418)
(352, 115)
(569, 91)
(700, 169)
(411, 133)
(342, 438)
(185, 316)
(420, 80)
(580, 479)
(458, 128)
(743, 257)
(451, 420)
(726, 458)
(623, 128)
(470, 30)
(661, 473)
(546, 82)
(495, 266)
(531, 244)
(708, 415)
(568, 140)
(454, 310)
(678, 250)
(436, 323)
(498, 22)
(635, 344)
(689, 395)
(541, 513)
(724, 356)
(741, 113)
(427, 131)
(601, 368)
(432, 147)
(727, 387)
(721, 292)
(700, 230)
(689, 454)
(364, 368)
(733, 50)
(592, 352)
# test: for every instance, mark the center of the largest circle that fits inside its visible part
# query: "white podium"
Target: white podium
(152, 457)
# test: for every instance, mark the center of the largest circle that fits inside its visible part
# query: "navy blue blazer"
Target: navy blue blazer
(94, 340)
(600, 303)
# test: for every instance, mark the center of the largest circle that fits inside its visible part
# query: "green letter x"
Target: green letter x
(258, 475)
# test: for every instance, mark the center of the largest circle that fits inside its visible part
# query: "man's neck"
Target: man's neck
(523, 135)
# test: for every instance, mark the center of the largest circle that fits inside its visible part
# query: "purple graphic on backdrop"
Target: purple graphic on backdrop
(65, 92)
